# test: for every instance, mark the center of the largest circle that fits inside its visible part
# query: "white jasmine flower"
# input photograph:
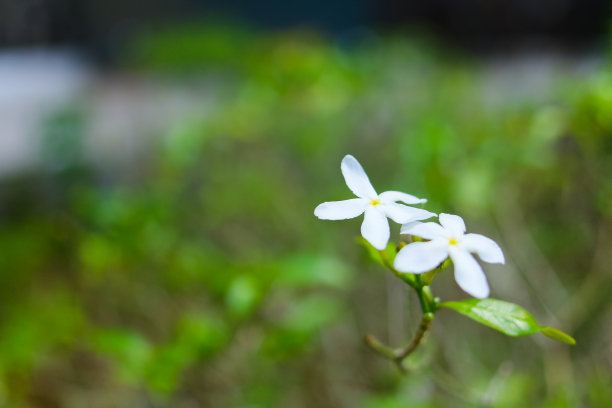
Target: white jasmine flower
(375, 227)
(449, 239)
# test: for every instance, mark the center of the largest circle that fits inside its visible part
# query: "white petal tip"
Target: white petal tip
(499, 261)
(340, 210)
(349, 159)
(479, 293)
(356, 178)
(319, 211)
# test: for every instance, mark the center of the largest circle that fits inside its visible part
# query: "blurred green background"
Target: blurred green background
(197, 275)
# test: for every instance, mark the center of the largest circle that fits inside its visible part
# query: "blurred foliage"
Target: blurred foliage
(206, 280)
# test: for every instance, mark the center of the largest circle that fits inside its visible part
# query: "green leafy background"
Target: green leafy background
(200, 277)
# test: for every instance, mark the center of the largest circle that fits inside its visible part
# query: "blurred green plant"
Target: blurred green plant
(205, 280)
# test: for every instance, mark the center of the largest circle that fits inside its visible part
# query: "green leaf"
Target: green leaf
(384, 257)
(558, 335)
(508, 318)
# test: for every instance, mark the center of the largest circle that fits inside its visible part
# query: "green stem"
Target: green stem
(428, 303)
(379, 347)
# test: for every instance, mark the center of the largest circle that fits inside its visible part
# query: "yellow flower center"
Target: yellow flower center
(375, 202)
(453, 241)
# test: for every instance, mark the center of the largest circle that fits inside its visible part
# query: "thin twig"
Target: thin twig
(422, 330)
(398, 355)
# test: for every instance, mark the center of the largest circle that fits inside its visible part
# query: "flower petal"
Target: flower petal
(427, 230)
(356, 178)
(375, 228)
(392, 196)
(341, 210)
(453, 223)
(408, 226)
(403, 214)
(421, 257)
(485, 247)
(468, 273)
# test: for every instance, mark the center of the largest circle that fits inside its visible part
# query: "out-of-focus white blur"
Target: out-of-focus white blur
(32, 85)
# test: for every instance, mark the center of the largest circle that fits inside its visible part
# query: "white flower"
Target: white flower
(375, 227)
(449, 239)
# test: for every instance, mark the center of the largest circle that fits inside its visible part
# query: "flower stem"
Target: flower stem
(428, 303)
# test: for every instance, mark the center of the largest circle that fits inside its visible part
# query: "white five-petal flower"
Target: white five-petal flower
(449, 239)
(377, 207)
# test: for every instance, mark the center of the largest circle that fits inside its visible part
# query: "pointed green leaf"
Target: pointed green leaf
(373, 253)
(384, 257)
(558, 335)
(506, 317)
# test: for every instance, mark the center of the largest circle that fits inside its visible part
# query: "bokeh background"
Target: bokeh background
(160, 163)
